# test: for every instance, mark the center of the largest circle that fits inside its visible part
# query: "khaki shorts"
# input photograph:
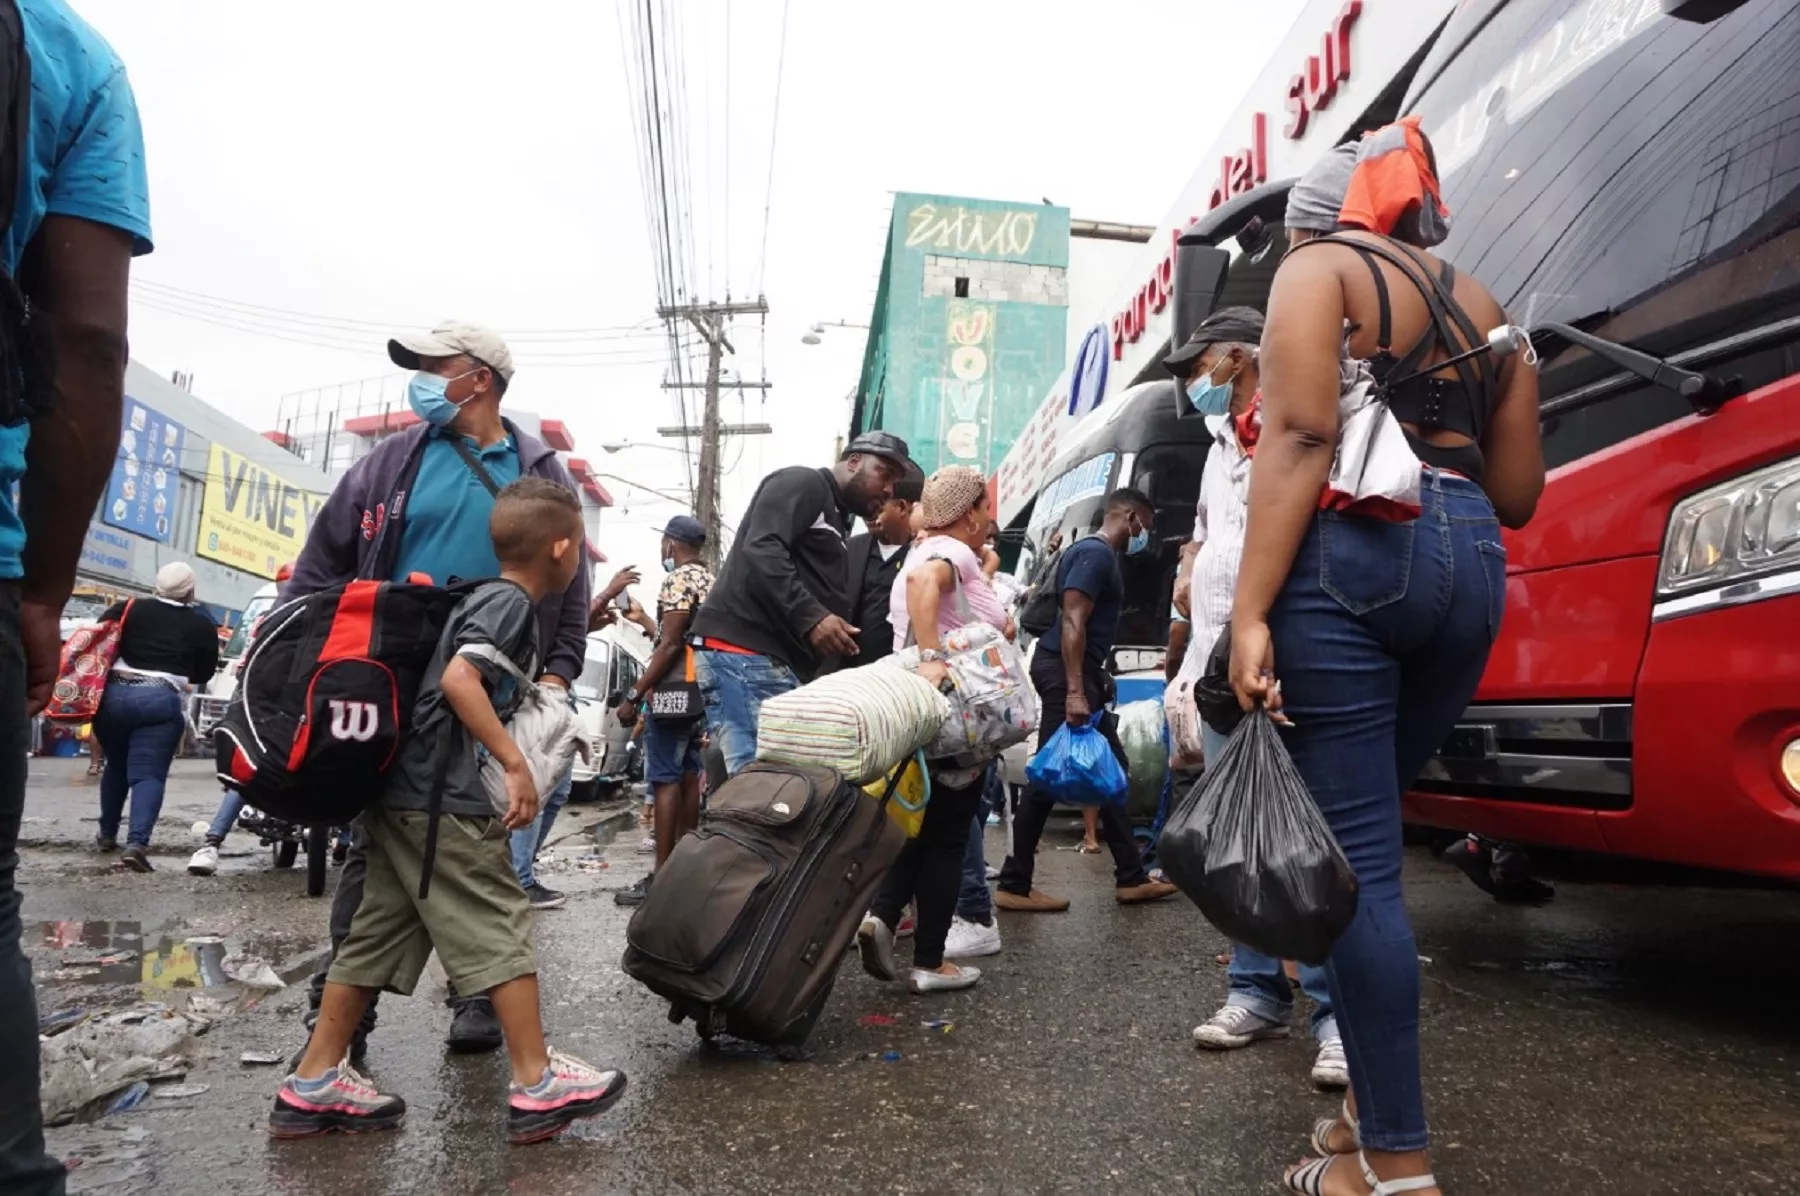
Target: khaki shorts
(476, 916)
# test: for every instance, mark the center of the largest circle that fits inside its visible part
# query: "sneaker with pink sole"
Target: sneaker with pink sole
(340, 1101)
(570, 1090)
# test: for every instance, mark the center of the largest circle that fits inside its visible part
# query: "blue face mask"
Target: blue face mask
(1138, 543)
(1209, 397)
(668, 564)
(425, 394)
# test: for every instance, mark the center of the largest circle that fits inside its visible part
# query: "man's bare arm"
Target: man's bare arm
(77, 273)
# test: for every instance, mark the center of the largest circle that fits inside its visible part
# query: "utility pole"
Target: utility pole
(710, 319)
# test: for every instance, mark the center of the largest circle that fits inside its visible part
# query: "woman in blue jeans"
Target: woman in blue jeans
(1368, 629)
(165, 645)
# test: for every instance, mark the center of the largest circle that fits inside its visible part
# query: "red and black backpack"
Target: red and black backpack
(325, 698)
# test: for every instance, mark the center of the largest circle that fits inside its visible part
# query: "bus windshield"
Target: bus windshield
(1636, 173)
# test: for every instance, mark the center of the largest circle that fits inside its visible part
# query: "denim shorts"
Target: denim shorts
(672, 749)
(734, 686)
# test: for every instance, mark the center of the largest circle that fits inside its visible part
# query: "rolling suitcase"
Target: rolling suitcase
(750, 916)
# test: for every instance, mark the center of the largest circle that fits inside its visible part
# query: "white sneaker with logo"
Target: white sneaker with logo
(969, 940)
(204, 862)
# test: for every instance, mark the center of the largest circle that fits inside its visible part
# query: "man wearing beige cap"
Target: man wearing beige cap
(419, 502)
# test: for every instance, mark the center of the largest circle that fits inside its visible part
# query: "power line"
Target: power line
(347, 324)
(345, 343)
(762, 256)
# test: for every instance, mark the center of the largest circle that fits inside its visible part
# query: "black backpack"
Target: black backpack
(24, 392)
(325, 697)
(1044, 603)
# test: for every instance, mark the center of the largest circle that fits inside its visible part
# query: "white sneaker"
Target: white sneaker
(923, 981)
(204, 862)
(1330, 1068)
(969, 940)
(1233, 1027)
(647, 845)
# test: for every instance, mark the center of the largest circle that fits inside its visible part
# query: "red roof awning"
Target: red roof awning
(579, 467)
(556, 435)
(281, 439)
(377, 425)
(597, 492)
(594, 554)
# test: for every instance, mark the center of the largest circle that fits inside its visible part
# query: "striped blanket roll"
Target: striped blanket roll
(861, 722)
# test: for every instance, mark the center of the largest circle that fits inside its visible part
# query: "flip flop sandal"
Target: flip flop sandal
(1321, 1134)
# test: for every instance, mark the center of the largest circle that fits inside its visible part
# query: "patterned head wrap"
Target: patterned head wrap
(951, 493)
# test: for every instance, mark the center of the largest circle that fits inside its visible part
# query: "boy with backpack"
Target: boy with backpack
(476, 916)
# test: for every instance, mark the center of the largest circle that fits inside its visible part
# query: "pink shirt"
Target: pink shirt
(983, 604)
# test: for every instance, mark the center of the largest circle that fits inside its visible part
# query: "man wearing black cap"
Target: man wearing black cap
(1218, 371)
(873, 560)
(675, 720)
(780, 610)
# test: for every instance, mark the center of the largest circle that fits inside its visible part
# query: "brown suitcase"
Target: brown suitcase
(750, 916)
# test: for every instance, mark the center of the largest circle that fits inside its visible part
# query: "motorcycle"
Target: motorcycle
(325, 846)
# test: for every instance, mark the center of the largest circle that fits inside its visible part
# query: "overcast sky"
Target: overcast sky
(402, 161)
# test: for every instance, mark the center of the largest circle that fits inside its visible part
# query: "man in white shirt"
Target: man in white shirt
(1218, 370)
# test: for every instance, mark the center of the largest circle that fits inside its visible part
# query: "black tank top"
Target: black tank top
(1463, 404)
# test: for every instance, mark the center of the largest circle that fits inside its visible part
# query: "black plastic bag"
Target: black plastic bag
(1213, 695)
(1250, 848)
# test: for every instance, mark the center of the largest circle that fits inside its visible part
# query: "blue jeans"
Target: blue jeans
(1258, 982)
(975, 901)
(229, 808)
(139, 728)
(734, 686)
(527, 841)
(1381, 633)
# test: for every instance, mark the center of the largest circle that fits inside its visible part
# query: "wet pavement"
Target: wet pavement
(1624, 1039)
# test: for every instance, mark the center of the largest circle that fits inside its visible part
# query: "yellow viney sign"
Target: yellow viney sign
(252, 518)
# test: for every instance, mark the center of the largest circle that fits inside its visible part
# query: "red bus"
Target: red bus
(1625, 176)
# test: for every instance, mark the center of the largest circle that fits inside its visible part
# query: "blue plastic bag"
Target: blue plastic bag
(1078, 766)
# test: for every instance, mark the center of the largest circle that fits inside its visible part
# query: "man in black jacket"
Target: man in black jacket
(779, 609)
(873, 560)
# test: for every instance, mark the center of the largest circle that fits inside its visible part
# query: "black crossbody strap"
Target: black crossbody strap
(473, 462)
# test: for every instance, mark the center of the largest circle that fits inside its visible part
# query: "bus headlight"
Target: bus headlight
(1790, 764)
(1743, 528)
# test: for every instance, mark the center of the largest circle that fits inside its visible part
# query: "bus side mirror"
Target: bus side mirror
(1199, 278)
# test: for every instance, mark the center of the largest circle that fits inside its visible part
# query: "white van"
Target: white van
(209, 704)
(615, 660)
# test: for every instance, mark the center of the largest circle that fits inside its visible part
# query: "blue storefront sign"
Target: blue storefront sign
(106, 553)
(146, 475)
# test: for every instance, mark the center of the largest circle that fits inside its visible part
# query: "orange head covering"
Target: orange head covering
(1394, 188)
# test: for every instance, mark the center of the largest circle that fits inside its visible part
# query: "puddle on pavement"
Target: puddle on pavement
(160, 960)
(1591, 973)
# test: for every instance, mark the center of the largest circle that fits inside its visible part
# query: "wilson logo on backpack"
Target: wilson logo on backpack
(354, 720)
(325, 698)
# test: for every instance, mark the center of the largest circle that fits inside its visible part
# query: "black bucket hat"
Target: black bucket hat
(1228, 325)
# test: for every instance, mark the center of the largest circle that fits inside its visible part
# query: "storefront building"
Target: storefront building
(969, 326)
(192, 484)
